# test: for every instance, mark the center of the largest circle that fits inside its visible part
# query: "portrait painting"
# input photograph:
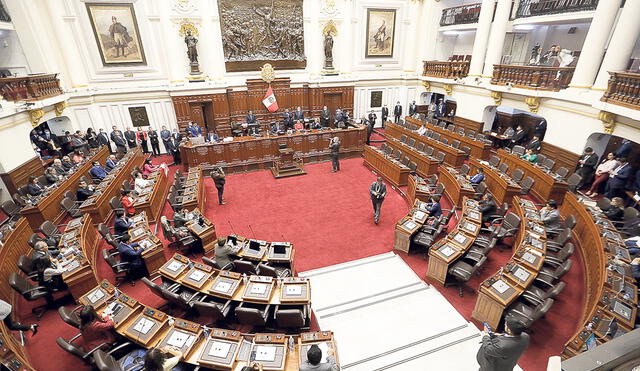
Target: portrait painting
(139, 117)
(381, 24)
(376, 99)
(116, 32)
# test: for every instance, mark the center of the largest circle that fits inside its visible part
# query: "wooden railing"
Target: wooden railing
(532, 8)
(623, 89)
(460, 15)
(445, 70)
(532, 77)
(33, 87)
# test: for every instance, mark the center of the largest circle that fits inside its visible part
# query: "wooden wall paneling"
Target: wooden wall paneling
(221, 114)
(468, 124)
(238, 105)
(19, 176)
(504, 120)
(315, 101)
(561, 156)
(15, 244)
(197, 113)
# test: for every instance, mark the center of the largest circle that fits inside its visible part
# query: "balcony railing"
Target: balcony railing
(532, 8)
(623, 89)
(445, 70)
(33, 87)
(532, 77)
(460, 15)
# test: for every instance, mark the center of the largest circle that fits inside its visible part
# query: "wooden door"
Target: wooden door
(333, 101)
(197, 114)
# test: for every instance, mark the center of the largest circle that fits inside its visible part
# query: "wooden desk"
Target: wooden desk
(454, 157)
(390, 169)
(48, 207)
(205, 232)
(193, 191)
(427, 165)
(98, 204)
(82, 237)
(479, 149)
(152, 200)
(456, 185)
(546, 187)
(501, 186)
(153, 254)
(249, 153)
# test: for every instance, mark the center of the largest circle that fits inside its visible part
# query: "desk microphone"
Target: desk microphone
(232, 230)
(252, 232)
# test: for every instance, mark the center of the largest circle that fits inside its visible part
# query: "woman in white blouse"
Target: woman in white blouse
(140, 183)
(602, 174)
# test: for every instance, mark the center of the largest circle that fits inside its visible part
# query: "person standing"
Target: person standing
(413, 108)
(334, 146)
(500, 352)
(219, 179)
(298, 115)
(130, 136)
(155, 143)
(385, 114)
(118, 140)
(440, 109)
(586, 167)
(251, 118)
(5, 316)
(103, 139)
(143, 138)
(377, 191)
(325, 117)
(602, 174)
(540, 129)
(618, 179)
(165, 135)
(176, 140)
(397, 112)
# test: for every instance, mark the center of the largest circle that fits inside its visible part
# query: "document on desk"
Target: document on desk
(143, 326)
(222, 286)
(196, 275)
(522, 274)
(179, 339)
(95, 295)
(460, 238)
(220, 349)
(174, 266)
(500, 286)
(258, 288)
(294, 290)
(409, 224)
(529, 257)
(447, 251)
(419, 215)
(112, 309)
(265, 353)
(470, 226)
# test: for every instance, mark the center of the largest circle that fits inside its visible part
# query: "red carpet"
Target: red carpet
(329, 218)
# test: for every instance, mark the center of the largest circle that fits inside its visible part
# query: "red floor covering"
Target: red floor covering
(328, 212)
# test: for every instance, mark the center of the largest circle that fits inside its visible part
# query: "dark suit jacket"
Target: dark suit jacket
(103, 139)
(224, 255)
(620, 179)
(385, 113)
(153, 136)
(518, 137)
(118, 139)
(179, 220)
(413, 108)
(435, 209)
(501, 353)
(614, 213)
(110, 164)
(373, 117)
(251, 119)
(130, 136)
(487, 208)
(534, 144)
(382, 192)
(121, 226)
(34, 189)
(623, 150)
(397, 110)
(83, 193)
(298, 115)
(130, 255)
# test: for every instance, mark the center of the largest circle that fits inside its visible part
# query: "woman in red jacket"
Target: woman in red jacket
(127, 202)
(95, 330)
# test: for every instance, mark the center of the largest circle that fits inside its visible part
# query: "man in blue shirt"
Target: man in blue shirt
(132, 253)
(111, 163)
(97, 171)
(478, 177)
(435, 210)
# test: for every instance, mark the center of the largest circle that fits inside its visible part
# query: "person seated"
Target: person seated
(162, 359)
(298, 125)
(255, 366)
(96, 329)
(435, 210)
(97, 171)
(121, 224)
(615, 212)
(477, 178)
(67, 163)
(254, 131)
(77, 157)
(314, 356)
(534, 144)
(132, 253)
(530, 155)
(84, 191)
(224, 253)
(50, 274)
(277, 128)
(633, 245)
(488, 207)
(60, 169)
(40, 250)
(6, 317)
(148, 167)
(180, 217)
(52, 176)
(550, 215)
(140, 183)
(111, 163)
(33, 187)
(315, 124)
(127, 202)
(422, 130)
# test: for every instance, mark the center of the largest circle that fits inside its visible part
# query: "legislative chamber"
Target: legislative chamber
(254, 185)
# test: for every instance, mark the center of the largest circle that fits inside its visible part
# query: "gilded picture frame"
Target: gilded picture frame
(381, 24)
(115, 29)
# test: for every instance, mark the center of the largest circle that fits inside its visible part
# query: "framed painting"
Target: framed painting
(116, 31)
(376, 99)
(139, 117)
(381, 28)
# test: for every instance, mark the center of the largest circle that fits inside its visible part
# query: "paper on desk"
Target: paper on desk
(174, 266)
(459, 238)
(219, 349)
(529, 257)
(179, 339)
(500, 286)
(143, 326)
(447, 251)
(197, 275)
(223, 286)
(522, 274)
(265, 353)
(258, 288)
(96, 295)
(294, 290)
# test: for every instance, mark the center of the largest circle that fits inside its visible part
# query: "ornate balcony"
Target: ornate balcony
(532, 77)
(445, 70)
(623, 89)
(532, 8)
(29, 88)
(464, 14)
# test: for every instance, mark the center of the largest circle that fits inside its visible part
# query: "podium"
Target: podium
(287, 165)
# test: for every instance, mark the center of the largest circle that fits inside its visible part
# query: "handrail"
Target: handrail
(532, 77)
(446, 70)
(463, 14)
(31, 87)
(532, 8)
(623, 89)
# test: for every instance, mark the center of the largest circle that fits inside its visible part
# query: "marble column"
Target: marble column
(482, 37)
(496, 39)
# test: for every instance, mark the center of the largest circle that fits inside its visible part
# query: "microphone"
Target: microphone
(232, 230)
(252, 232)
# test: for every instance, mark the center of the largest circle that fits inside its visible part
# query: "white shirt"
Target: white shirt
(422, 130)
(141, 184)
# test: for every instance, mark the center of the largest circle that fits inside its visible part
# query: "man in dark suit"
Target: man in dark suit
(165, 135)
(180, 217)
(84, 191)
(377, 192)
(435, 210)
(277, 127)
(334, 146)
(500, 352)
(372, 118)
(176, 138)
(413, 108)
(132, 253)
(103, 139)
(287, 119)
(587, 166)
(57, 164)
(618, 179)
(519, 136)
(196, 129)
(440, 109)
(251, 118)
(130, 136)
(488, 207)
(111, 163)
(298, 114)
(625, 149)
(397, 112)
(325, 117)
(540, 129)
(118, 139)
(534, 144)
(121, 224)
(224, 253)
(155, 142)
(97, 171)
(385, 114)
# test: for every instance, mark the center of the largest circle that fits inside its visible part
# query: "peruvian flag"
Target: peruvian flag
(269, 100)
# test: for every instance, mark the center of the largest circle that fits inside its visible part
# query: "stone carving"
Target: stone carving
(189, 31)
(329, 32)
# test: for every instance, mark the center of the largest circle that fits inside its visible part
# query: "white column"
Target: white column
(170, 48)
(496, 39)
(347, 30)
(411, 29)
(621, 44)
(482, 37)
(313, 39)
(430, 20)
(210, 44)
(595, 43)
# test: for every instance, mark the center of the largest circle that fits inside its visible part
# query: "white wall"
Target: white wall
(11, 55)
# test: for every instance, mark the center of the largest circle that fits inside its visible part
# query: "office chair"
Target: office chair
(481, 137)
(429, 151)
(403, 138)
(255, 315)
(517, 175)
(244, 266)
(444, 140)
(541, 159)
(19, 200)
(115, 204)
(555, 259)
(451, 127)
(460, 131)
(413, 167)
(180, 300)
(121, 270)
(569, 222)
(494, 161)
(25, 264)
(398, 155)
(548, 276)
(500, 213)
(126, 185)
(214, 311)
(462, 272)
(71, 208)
(465, 169)
(466, 150)
(527, 315)
(518, 150)
(604, 203)
(213, 263)
(573, 182)
(11, 209)
(87, 357)
(509, 226)
(278, 272)
(42, 180)
(559, 240)
(420, 147)
(503, 167)
(526, 185)
(480, 190)
(70, 317)
(109, 238)
(536, 296)
(171, 234)
(405, 161)
(548, 164)
(71, 195)
(562, 172)
(440, 156)
(383, 147)
(455, 143)
(411, 142)
(435, 136)
(22, 190)
(50, 230)
(291, 317)
(31, 292)
(157, 290)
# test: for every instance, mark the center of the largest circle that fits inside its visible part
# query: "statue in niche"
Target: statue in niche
(192, 52)
(328, 51)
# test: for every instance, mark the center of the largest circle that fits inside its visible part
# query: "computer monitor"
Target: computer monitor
(232, 239)
(282, 146)
(254, 245)
(279, 249)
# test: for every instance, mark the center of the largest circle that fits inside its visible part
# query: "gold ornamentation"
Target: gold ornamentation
(608, 121)
(427, 85)
(497, 97)
(533, 103)
(330, 29)
(60, 106)
(330, 4)
(448, 88)
(35, 116)
(267, 73)
(187, 26)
